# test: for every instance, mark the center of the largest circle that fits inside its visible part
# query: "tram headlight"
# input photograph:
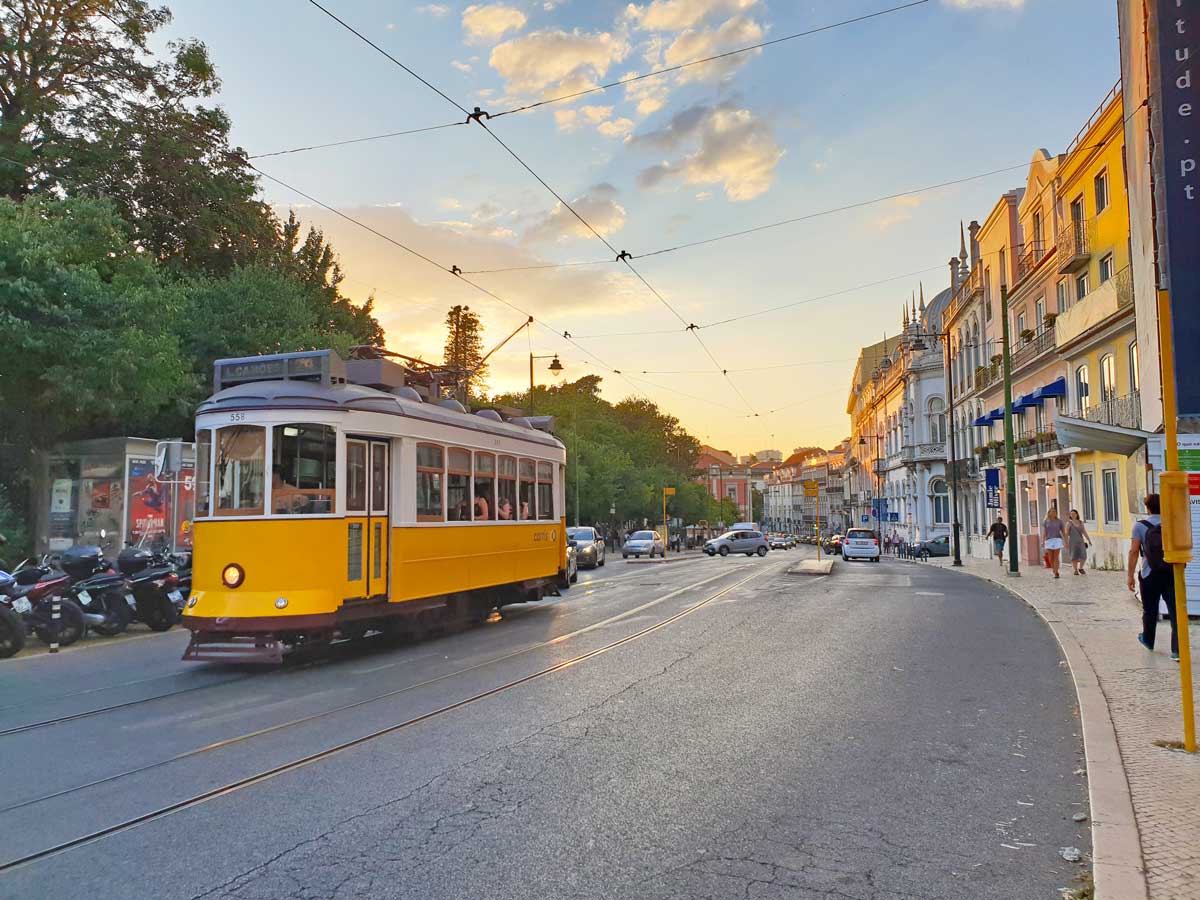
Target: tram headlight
(232, 575)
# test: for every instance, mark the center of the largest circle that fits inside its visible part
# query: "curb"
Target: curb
(1118, 869)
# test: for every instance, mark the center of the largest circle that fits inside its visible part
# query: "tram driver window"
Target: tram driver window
(526, 468)
(303, 470)
(429, 483)
(545, 490)
(506, 500)
(484, 506)
(203, 470)
(241, 453)
(458, 486)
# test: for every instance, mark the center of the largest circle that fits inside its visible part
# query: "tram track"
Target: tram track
(84, 714)
(329, 752)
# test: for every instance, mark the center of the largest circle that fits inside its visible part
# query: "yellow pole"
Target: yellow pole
(1166, 349)
(818, 504)
(665, 541)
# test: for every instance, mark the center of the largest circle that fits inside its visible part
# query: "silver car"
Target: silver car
(641, 543)
(589, 546)
(748, 542)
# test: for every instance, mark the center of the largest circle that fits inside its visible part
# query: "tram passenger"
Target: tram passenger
(505, 512)
(482, 510)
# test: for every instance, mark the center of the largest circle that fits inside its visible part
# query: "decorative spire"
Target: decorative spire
(922, 298)
(914, 306)
(962, 242)
(905, 305)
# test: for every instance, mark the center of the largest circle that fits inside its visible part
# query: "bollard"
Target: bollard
(55, 621)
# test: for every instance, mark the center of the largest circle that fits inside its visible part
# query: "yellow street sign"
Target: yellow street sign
(668, 492)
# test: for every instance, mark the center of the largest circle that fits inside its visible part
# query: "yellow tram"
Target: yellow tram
(332, 498)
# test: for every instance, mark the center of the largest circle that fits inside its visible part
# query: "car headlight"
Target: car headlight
(233, 575)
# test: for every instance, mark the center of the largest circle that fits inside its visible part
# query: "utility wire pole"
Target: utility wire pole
(1010, 464)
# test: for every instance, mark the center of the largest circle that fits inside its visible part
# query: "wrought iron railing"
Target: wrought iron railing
(1123, 412)
(1029, 256)
(970, 287)
(1074, 245)
(1041, 341)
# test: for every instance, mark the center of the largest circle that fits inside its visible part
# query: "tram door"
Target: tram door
(367, 519)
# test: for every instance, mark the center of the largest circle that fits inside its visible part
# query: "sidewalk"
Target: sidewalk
(1096, 620)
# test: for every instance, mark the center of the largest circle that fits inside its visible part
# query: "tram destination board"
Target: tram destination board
(319, 366)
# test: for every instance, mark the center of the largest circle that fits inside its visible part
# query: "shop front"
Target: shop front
(105, 492)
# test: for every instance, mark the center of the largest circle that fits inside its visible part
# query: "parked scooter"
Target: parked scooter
(29, 592)
(99, 590)
(153, 582)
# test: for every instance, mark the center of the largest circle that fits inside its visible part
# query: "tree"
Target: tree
(464, 348)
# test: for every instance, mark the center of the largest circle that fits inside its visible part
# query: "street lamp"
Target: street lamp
(918, 343)
(862, 442)
(555, 368)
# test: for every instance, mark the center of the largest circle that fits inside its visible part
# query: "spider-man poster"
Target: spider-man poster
(148, 502)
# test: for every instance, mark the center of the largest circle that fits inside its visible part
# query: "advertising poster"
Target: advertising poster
(1189, 461)
(148, 501)
(185, 507)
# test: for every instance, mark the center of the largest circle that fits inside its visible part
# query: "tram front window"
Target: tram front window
(545, 491)
(203, 470)
(241, 453)
(303, 470)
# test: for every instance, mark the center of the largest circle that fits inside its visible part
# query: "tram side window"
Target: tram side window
(203, 471)
(485, 487)
(526, 468)
(303, 470)
(545, 490)
(241, 455)
(430, 470)
(506, 508)
(458, 486)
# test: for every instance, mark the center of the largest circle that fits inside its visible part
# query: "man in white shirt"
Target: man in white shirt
(1155, 578)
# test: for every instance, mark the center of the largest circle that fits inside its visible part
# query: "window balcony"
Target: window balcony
(1034, 345)
(1123, 412)
(971, 287)
(1075, 246)
(1029, 257)
(1030, 446)
(1107, 300)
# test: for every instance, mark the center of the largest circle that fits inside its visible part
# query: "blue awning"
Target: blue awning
(996, 415)
(1028, 401)
(1053, 389)
(983, 422)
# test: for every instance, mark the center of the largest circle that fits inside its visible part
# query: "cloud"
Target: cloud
(676, 15)
(700, 43)
(434, 9)
(556, 61)
(598, 117)
(729, 146)
(486, 23)
(598, 206)
(897, 210)
(461, 66)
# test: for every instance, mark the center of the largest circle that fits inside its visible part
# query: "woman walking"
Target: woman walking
(1052, 538)
(1078, 541)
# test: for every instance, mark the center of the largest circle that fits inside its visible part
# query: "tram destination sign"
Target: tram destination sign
(319, 366)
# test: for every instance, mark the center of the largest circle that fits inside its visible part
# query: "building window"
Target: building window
(1087, 495)
(1101, 185)
(1081, 388)
(1020, 322)
(937, 421)
(1039, 310)
(430, 471)
(1112, 497)
(1077, 214)
(1063, 295)
(987, 294)
(1135, 375)
(939, 495)
(1037, 232)
(1108, 378)
(1081, 286)
(1106, 267)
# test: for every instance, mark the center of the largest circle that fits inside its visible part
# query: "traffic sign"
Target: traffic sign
(866, 519)
(668, 492)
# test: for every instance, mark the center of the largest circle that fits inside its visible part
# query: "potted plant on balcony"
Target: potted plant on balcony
(1050, 319)
(1027, 335)
(997, 359)
(1045, 437)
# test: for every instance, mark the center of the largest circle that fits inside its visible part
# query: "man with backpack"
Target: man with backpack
(1155, 577)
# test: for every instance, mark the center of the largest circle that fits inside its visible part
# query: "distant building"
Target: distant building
(726, 479)
(775, 456)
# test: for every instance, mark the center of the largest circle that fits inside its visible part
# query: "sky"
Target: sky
(942, 91)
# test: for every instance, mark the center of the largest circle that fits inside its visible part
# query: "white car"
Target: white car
(647, 542)
(860, 543)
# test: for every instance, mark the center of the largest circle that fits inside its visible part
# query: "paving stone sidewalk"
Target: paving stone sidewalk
(1143, 694)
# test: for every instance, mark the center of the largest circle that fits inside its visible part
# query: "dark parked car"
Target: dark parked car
(937, 547)
(589, 546)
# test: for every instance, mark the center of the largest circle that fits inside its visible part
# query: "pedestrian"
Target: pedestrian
(1078, 542)
(1156, 577)
(999, 535)
(1052, 538)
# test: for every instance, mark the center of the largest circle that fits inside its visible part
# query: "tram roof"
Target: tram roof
(307, 395)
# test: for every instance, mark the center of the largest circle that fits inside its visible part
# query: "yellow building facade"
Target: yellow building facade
(1096, 334)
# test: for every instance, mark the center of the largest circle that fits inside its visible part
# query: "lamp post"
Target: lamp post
(919, 344)
(1010, 466)
(862, 442)
(555, 369)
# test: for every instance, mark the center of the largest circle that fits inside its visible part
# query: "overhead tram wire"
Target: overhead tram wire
(708, 59)
(361, 140)
(561, 334)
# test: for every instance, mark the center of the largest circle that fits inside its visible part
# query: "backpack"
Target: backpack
(1152, 547)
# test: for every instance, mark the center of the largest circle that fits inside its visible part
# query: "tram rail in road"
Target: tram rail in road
(257, 778)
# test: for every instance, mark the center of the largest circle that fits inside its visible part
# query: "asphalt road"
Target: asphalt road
(891, 731)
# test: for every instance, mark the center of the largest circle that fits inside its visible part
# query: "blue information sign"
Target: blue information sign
(1178, 196)
(866, 519)
(993, 488)
(894, 517)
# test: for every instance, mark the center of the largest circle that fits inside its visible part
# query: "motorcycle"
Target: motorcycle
(99, 590)
(154, 584)
(29, 592)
